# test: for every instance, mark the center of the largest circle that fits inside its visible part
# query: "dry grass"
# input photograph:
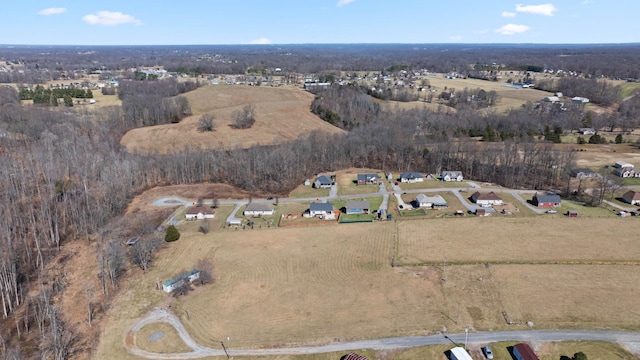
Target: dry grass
(596, 156)
(309, 191)
(347, 181)
(593, 349)
(518, 240)
(169, 343)
(282, 114)
(304, 285)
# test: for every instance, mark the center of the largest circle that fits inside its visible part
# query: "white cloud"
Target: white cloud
(342, 3)
(542, 9)
(52, 11)
(456, 37)
(508, 14)
(260, 41)
(110, 18)
(511, 29)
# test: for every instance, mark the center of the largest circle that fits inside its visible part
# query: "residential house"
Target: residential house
(320, 209)
(583, 173)
(430, 201)
(486, 199)
(548, 200)
(523, 351)
(258, 209)
(199, 213)
(587, 131)
(188, 277)
(551, 99)
(624, 172)
(451, 176)
(411, 177)
(357, 207)
(368, 179)
(322, 182)
(631, 197)
(622, 165)
(579, 100)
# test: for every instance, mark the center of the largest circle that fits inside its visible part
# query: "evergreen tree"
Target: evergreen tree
(619, 139)
(172, 234)
(68, 101)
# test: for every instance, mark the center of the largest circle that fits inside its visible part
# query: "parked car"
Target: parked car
(486, 350)
(551, 211)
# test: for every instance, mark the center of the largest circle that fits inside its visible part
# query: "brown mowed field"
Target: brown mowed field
(518, 240)
(300, 286)
(282, 114)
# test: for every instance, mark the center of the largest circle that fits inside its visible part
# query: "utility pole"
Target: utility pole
(466, 336)
(225, 349)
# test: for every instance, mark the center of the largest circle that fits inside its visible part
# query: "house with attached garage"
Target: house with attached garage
(486, 199)
(583, 173)
(548, 200)
(411, 177)
(451, 176)
(322, 210)
(357, 207)
(258, 209)
(368, 179)
(631, 197)
(435, 201)
(199, 213)
(322, 182)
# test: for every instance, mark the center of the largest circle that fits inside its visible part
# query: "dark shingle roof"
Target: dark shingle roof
(321, 206)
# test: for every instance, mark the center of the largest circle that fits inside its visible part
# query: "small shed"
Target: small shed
(572, 213)
(481, 212)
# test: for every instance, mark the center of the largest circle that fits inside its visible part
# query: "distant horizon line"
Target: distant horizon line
(306, 44)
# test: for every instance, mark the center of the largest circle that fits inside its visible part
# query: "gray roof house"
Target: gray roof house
(366, 179)
(258, 209)
(583, 173)
(357, 207)
(316, 209)
(322, 182)
(411, 177)
(451, 176)
(430, 201)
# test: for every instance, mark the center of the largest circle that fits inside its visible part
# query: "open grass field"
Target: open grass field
(282, 114)
(594, 156)
(304, 285)
(168, 343)
(308, 191)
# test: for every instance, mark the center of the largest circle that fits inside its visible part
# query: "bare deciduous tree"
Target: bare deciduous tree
(245, 118)
(142, 251)
(206, 123)
(206, 271)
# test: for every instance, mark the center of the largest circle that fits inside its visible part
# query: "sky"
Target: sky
(195, 22)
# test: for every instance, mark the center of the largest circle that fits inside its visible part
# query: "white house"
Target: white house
(199, 213)
(411, 177)
(258, 209)
(587, 131)
(622, 164)
(188, 277)
(451, 176)
(321, 209)
(430, 201)
(579, 100)
(631, 197)
(486, 199)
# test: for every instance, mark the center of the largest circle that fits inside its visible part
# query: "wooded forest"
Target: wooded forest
(67, 178)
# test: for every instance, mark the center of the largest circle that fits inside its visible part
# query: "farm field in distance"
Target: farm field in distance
(303, 285)
(282, 114)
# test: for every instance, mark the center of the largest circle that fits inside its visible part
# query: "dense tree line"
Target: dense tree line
(41, 95)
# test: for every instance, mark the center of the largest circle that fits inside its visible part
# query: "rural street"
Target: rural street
(629, 340)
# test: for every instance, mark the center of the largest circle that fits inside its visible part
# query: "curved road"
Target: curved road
(630, 340)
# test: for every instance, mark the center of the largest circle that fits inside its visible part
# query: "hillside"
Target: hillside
(281, 114)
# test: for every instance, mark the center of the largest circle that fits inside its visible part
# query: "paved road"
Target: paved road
(630, 340)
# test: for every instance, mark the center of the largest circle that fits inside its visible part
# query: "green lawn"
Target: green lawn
(584, 210)
(346, 218)
(374, 203)
(353, 188)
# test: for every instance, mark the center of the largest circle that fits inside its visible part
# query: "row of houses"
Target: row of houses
(413, 177)
(620, 168)
(491, 199)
